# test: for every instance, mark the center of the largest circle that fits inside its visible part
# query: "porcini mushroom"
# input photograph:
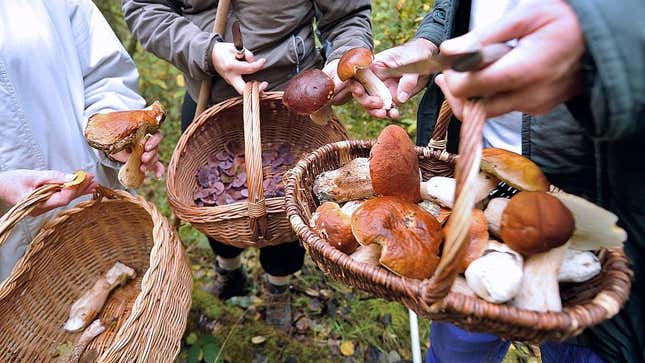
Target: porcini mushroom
(493, 213)
(478, 239)
(335, 226)
(579, 266)
(355, 63)
(394, 165)
(538, 225)
(114, 131)
(310, 93)
(369, 254)
(514, 169)
(496, 276)
(350, 181)
(408, 235)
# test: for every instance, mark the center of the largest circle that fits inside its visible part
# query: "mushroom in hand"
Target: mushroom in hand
(355, 63)
(310, 93)
(114, 131)
(538, 225)
(496, 276)
(408, 235)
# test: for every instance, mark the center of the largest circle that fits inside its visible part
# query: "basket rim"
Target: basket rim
(166, 246)
(564, 320)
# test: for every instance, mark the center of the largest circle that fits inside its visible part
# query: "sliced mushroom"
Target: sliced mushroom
(496, 276)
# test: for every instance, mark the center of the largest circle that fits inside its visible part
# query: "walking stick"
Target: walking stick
(218, 27)
(414, 337)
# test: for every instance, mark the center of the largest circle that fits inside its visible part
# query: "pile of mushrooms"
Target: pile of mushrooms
(522, 244)
(115, 131)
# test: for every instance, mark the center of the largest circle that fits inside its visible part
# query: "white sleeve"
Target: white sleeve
(110, 77)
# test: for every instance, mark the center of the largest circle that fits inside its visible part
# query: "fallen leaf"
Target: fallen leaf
(258, 339)
(311, 292)
(347, 348)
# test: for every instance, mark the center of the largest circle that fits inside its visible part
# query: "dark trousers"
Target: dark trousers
(280, 260)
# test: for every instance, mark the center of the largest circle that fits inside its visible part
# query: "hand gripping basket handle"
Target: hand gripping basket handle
(253, 158)
(27, 204)
(466, 171)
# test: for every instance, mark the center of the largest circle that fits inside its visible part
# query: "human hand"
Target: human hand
(543, 70)
(402, 87)
(149, 158)
(231, 69)
(16, 184)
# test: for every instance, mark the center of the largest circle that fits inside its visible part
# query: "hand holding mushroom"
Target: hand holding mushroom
(114, 132)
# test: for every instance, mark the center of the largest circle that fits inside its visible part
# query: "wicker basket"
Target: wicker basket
(257, 222)
(585, 304)
(144, 320)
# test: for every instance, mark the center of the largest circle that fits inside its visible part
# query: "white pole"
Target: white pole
(414, 337)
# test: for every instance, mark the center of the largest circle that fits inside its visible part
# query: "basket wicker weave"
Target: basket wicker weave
(585, 304)
(257, 222)
(144, 320)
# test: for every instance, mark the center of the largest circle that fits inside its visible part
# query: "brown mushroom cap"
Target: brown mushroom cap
(535, 222)
(409, 236)
(394, 165)
(335, 226)
(308, 92)
(478, 239)
(352, 61)
(514, 169)
(114, 131)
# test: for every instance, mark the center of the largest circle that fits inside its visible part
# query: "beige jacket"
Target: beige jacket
(279, 30)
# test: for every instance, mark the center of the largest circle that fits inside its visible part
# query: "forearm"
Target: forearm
(614, 94)
(437, 24)
(345, 25)
(170, 36)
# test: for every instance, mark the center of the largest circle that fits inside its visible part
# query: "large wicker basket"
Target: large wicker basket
(585, 304)
(144, 320)
(257, 222)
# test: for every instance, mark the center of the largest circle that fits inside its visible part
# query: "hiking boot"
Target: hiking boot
(278, 306)
(228, 283)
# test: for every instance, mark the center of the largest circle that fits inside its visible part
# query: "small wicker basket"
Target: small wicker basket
(585, 304)
(144, 320)
(257, 222)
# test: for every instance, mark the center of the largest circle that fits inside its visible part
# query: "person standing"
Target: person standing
(59, 64)
(280, 39)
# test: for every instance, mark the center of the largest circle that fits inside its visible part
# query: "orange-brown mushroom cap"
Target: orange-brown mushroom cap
(114, 131)
(478, 239)
(409, 236)
(394, 165)
(352, 61)
(535, 222)
(514, 169)
(336, 227)
(308, 92)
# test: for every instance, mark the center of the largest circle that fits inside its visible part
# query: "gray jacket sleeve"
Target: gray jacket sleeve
(170, 36)
(344, 25)
(615, 38)
(437, 24)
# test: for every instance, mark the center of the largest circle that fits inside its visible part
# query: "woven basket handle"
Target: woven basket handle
(253, 157)
(25, 206)
(466, 171)
(439, 137)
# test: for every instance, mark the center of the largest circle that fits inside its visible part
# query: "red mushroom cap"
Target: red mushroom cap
(308, 92)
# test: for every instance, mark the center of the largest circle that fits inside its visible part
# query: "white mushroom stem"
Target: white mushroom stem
(322, 116)
(130, 174)
(460, 286)
(374, 86)
(85, 309)
(497, 275)
(540, 290)
(493, 214)
(369, 254)
(579, 266)
(439, 189)
(95, 329)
